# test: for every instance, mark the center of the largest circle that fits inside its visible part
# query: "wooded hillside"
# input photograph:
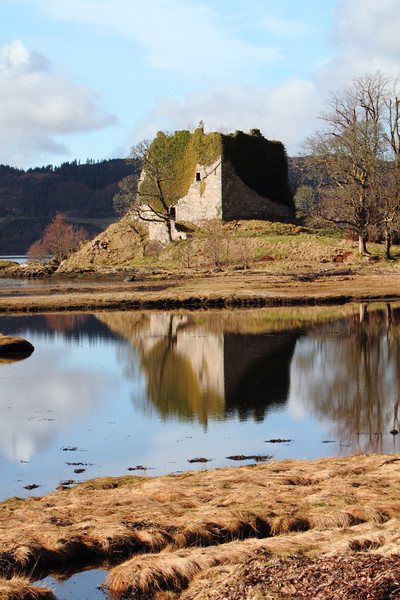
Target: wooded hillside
(82, 192)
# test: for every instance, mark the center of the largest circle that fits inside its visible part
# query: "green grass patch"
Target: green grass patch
(7, 263)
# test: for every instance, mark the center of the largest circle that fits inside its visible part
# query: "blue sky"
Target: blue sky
(90, 78)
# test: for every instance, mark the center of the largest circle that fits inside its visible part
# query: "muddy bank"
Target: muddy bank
(189, 534)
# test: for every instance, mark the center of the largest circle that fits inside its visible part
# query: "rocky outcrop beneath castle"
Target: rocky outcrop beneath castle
(29, 270)
(117, 246)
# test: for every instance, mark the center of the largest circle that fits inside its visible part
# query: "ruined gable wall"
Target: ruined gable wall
(241, 202)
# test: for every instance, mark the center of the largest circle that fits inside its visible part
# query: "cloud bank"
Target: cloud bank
(284, 112)
(366, 40)
(194, 39)
(37, 104)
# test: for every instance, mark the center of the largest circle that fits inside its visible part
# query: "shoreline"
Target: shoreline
(222, 290)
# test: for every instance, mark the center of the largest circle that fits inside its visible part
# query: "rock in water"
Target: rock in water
(14, 348)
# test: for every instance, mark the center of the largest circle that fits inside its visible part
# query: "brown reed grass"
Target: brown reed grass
(200, 568)
(172, 570)
(20, 588)
(179, 526)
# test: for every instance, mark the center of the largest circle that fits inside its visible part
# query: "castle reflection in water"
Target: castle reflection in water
(344, 369)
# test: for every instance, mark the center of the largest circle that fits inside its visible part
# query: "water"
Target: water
(18, 258)
(113, 393)
(145, 393)
(82, 586)
(6, 284)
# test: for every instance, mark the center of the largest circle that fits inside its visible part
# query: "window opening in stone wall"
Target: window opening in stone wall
(198, 177)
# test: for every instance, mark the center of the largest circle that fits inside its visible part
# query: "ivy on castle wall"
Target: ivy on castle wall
(260, 163)
(206, 147)
(173, 160)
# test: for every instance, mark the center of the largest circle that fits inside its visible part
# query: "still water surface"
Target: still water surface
(145, 393)
(18, 258)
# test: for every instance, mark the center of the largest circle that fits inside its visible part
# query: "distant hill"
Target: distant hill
(82, 192)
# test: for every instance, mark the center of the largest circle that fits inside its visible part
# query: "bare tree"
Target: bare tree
(391, 176)
(155, 195)
(59, 240)
(125, 197)
(152, 198)
(348, 152)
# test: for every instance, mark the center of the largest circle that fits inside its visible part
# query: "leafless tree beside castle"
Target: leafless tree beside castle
(356, 158)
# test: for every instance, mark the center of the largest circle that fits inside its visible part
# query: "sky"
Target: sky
(88, 79)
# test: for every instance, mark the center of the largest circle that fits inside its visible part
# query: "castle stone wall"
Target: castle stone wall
(241, 202)
(204, 199)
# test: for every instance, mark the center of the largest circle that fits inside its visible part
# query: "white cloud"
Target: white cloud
(365, 34)
(15, 58)
(235, 65)
(367, 40)
(37, 104)
(370, 27)
(285, 112)
(205, 60)
(66, 395)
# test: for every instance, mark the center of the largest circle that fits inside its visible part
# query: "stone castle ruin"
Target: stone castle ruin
(218, 176)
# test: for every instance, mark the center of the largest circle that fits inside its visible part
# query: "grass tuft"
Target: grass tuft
(20, 588)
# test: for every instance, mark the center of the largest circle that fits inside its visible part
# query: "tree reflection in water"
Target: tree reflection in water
(181, 366)
(349, 374)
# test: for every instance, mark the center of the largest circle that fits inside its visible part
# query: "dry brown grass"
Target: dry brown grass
(21, 588)
(202, 568)
(172, 570)
(172, 529)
